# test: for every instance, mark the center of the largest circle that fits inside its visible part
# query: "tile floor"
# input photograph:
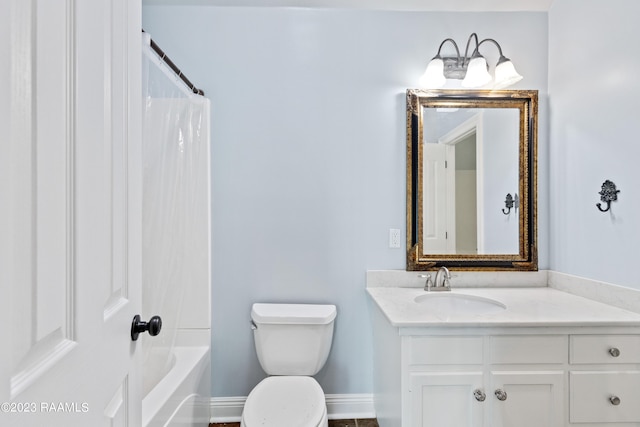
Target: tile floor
(332, 423)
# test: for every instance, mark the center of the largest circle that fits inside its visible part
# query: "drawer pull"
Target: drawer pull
(501, 394)
(615, 400)
(614, 352)
(479, 395)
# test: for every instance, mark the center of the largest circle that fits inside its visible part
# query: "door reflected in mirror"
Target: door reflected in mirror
(468, 150)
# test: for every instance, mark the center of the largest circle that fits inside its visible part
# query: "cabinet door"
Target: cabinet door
(526, 399)
(445, 399)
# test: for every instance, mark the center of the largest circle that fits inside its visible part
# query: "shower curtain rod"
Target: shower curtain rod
(173, 67)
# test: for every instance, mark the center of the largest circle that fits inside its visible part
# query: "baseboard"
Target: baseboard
(350, 406)
(226, 409)
(339, 406)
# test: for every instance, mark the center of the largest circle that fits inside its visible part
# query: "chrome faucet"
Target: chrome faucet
(445, 284)
(438, 284)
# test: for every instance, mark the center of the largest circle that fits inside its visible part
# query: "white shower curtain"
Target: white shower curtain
(175, 215)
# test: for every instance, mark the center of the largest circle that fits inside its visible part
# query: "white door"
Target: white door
(439, 208)
(70, 212)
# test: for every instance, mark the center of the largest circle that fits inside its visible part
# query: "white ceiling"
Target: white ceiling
(407, 5)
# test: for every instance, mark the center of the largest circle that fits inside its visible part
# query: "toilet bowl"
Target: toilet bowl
(292, 344)
(286, 401)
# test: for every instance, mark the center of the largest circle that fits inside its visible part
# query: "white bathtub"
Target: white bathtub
(181, 397)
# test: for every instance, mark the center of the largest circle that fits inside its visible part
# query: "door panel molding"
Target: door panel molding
(43, 144)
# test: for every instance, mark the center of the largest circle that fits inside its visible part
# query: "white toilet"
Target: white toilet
(292, 343)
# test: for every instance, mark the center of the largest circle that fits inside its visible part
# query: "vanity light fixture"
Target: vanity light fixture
(472, 70)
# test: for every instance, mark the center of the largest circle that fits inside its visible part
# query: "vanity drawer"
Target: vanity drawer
(591, 394)
(523, 349)
(604, 349)
(446, 350)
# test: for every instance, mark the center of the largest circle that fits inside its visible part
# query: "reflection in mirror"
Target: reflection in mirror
(466, 180)
(466, 152)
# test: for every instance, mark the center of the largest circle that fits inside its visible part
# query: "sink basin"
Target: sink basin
(454, 303)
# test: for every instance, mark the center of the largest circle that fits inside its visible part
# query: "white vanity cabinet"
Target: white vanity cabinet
(510, 377)
(550, 359)
(476, 380)
(545, 376)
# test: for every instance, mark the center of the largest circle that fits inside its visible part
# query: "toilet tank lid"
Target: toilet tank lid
(307, 314)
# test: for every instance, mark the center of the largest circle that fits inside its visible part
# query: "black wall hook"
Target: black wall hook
(608, 194)
(509, 203)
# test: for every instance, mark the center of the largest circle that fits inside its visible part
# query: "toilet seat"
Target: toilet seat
(285, 401)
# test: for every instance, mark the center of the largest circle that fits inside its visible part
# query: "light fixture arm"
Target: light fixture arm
(466, 50)
(502, 57)
(442, 44)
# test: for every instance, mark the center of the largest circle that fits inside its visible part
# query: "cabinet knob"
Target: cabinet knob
(615, 400)
(479, 395)
(614, 352)
(501, 394)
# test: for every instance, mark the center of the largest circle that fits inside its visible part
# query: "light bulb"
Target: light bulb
(433, 76)
(477, 74)
(506, 74)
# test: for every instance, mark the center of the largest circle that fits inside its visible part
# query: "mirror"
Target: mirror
(471, 179)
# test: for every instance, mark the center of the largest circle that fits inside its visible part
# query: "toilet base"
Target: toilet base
(323, 423)
(286, 401)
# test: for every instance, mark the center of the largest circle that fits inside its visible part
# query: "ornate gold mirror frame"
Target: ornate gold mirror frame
(526, 103)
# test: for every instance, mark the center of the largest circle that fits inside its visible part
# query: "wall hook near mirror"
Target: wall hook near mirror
(511, 202)
(608, 194)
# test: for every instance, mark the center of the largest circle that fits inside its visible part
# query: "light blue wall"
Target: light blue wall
(501, 177)
(594, 93)
(308, 156)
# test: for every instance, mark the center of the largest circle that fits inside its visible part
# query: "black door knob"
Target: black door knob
(153, 326)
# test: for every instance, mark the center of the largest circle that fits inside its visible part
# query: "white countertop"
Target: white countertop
(525, 307)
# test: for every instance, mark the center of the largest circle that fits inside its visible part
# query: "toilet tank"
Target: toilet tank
(292, 339)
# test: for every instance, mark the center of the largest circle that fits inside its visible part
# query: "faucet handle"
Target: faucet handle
(446, 283)
(429, 283)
